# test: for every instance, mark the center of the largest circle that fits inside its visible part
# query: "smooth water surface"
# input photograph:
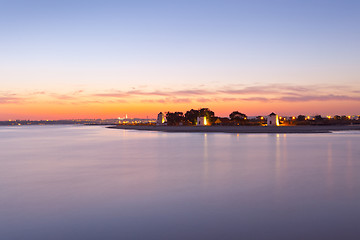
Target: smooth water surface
(78, 182)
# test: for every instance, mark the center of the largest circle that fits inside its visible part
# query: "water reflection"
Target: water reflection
(349, 165)
(97, 183)
(280, 160)
(205, 159)
(329, 175)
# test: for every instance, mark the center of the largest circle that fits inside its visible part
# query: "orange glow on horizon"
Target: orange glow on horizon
(138, 109)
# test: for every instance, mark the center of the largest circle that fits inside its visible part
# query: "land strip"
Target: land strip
(242, 129)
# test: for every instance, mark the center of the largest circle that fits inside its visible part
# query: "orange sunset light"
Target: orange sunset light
(149, 109)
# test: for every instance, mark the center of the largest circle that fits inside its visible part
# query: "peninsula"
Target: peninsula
(204, 120)
(241, 129)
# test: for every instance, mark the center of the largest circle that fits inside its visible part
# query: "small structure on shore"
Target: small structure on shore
(273, 120)
(217, 121)
(160, 119)
(201, 121)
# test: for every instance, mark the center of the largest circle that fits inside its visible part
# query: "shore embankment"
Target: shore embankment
(241, 129)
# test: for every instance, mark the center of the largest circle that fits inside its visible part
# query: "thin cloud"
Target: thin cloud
(250, 90)
(225, 93)
(259, 93)
(319, 98)
(167, 100)
(205, 100)
(192, 92)
(63, 97)
(38, 93)
(231, 99)
(7, 97)
(111, 95)
(119, 94)
(181, 100)
(256, 99)
(269, 89)
(6, 100)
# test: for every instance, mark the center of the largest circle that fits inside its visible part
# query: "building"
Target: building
(160, 119)
(201, 121)
(218, 121)
(224, 121)
(273, 119)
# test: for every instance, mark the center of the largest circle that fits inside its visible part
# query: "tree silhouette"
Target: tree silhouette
(174, 118)
(318, 118)
(301, 118)
(192, 115)
(237, 116)
(205, 112)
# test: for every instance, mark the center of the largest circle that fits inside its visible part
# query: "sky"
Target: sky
(106, 58)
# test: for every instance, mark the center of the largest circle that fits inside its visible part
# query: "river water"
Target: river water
(90, 182)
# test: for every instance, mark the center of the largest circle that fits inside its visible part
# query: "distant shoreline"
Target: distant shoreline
(241, 129)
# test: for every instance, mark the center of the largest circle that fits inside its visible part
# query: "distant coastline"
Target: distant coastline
(241, 129)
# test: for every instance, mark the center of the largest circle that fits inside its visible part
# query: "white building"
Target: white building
(273, 119)
(160, 119)
(201, 121)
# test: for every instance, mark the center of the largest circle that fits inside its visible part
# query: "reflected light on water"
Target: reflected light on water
(330, 168)
(349, 169)
(280, 160)
(205, 160)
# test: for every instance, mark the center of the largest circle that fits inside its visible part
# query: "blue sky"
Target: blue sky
(63, 46)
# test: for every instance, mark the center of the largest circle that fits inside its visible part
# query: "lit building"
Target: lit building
(201, 121)
(160, 119)
(273, 119)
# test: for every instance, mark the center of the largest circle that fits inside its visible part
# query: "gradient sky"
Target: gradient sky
(90, 59)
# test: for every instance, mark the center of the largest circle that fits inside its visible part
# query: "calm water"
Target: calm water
(77, 182)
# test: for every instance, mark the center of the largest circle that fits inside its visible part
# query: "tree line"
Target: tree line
(190, 117)
(239, 118)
